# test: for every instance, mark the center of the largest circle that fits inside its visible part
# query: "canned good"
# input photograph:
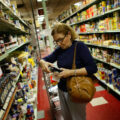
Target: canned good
(118, 83)
(114, 72)
(106, 76)
(110, 77)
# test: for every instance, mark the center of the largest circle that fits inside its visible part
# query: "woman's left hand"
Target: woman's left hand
(65, 73)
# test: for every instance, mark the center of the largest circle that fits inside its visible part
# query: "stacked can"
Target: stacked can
(118, 83)
(108, 5)
(116, 21)
(114, 77)
(110, 77)
(102, 74)
(103, 6)
(112, 4)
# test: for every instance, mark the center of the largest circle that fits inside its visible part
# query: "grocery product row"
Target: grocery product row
(8, 42)
(106, 55)
(111, 39)
(110, 23)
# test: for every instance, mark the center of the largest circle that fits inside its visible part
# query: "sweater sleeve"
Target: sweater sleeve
(87, 60)
(52, 57)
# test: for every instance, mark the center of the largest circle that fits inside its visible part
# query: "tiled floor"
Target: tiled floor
(44, 87)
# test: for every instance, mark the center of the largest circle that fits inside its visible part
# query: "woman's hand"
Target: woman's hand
(44, 65)
(65, 73)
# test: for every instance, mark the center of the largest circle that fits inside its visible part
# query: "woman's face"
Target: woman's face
(64, 41)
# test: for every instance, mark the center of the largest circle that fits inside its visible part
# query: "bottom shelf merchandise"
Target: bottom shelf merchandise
(24, 105)
(109, 76)
(10, 73)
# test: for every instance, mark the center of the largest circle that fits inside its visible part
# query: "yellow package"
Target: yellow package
(31, 61)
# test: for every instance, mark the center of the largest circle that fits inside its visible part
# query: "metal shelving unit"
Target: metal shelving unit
(98, 16)
(7, 26)
(101, 32)
(102, 46)
(101, 60)
(11, 50)
(82, 9)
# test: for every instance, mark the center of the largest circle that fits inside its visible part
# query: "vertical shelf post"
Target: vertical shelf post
(31, 3)
(47, 24)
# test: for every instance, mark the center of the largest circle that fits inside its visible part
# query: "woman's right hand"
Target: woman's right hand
(45, 66)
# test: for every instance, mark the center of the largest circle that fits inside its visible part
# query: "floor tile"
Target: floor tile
(99, 88)
(98, 101)
(40, 114)
(44, 87)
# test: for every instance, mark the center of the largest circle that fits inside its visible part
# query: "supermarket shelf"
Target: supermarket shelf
(9, 105)
(114, 65)
(109, 85)
(111, 64)
(6, 7)
(98, 16)
(107, 31)
(36, 92)
(2, 112)
(114, 47)
(84, 7)
(101, 60)
(11, 50)
(110, 47)
(7, 26)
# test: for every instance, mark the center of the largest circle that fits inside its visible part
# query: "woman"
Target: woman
(64, 36)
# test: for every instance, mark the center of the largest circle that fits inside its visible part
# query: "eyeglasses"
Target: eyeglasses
(60, 40)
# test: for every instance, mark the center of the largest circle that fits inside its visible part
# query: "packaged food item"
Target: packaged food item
(108, 5)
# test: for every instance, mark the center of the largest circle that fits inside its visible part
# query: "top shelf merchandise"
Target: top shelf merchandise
(75, 9)
(10, 18)
(11, 8)
(95, 8)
